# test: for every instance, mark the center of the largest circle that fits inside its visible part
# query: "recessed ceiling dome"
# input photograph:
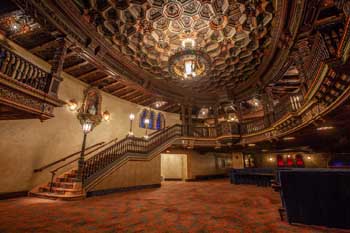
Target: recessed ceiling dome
(233, 34)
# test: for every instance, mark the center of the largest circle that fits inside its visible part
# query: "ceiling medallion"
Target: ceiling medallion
(189, 64)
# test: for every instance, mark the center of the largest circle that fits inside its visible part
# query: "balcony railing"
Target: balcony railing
(21, 70)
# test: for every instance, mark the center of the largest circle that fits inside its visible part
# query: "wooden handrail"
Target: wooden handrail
(90, 152)
(65, 158)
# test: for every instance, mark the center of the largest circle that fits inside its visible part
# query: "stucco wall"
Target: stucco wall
(132, 173)
(203, 164)
(174, 166)
(29, 144)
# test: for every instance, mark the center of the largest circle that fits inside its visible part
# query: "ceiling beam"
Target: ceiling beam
(147, 101)
(124, 91)
(42, 46)
(141, 97)
(169, 106)
(83, 76)
(68, 55)
(116, 83)
(119, 90)
(135, 96)
(100, 80)
(131, 94)
(73, 67)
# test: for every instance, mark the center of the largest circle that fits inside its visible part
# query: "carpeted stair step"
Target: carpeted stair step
(55, 196)
(61, 190)
(65, 179)
(67, 185)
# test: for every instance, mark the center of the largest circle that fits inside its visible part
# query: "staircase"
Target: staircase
(98, 166)
(63, 187)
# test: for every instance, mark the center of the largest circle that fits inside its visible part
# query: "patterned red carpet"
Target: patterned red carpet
(210, 206)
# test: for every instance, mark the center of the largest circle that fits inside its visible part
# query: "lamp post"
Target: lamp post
(146, 126)
(131, 118)
(87, 127)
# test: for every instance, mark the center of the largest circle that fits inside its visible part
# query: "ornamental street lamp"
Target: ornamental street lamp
(146, 126)
(87, 128)
(131, 118)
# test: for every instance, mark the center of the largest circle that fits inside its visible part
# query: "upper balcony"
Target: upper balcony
(25, 87)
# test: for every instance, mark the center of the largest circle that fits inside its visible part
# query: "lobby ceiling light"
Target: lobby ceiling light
(159, 104)
(288, 138)
(323, 128)
(188, 62)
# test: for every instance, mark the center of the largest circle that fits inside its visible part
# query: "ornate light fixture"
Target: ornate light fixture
(188, 62)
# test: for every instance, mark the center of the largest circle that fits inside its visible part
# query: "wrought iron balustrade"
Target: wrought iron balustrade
(101, 160)
(206, 132)
(21, 70)
(253, 126)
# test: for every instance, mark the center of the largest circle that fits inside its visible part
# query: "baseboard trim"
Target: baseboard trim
(173, 179)
(122, 189)
(4, 196)
(207, 177)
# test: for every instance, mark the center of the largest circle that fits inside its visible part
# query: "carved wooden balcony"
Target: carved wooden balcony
(24, 88)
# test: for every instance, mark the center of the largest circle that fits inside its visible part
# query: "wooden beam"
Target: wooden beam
(123, 91)
(141, 97)
(129, 93)
(94, 83)
(73, 67)
(68, 55)
(119, 90)
(147, 101)
(135, 96)
(168, 106)
(83, 76)
(42, 46)
(175, 109)
(116, 83)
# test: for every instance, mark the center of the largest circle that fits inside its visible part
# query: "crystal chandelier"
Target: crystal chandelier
(188, 62)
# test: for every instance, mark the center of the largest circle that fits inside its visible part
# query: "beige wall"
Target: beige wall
(132, 173)
(174, 166)
(237, 160)
(204, 164)
(29, 144)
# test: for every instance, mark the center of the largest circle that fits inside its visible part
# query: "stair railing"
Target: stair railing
(90, 150)
(101, 160)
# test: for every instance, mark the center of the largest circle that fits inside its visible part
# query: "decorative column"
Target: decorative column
(184, 120)
(57, 66)
(189, 113)
(216, 116)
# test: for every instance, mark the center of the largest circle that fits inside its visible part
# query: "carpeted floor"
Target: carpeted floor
(209, 206)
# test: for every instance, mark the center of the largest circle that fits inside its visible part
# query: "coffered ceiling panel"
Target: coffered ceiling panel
(234, 35)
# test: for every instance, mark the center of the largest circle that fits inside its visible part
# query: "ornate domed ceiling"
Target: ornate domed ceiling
(233, 34)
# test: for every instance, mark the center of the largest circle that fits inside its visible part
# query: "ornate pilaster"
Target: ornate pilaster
(189, 113)
(184, 121)
(57, 66)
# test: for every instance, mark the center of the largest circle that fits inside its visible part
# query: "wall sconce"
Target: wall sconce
(72, 105)
(308, 157)
(106, 116)
(271, 159)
